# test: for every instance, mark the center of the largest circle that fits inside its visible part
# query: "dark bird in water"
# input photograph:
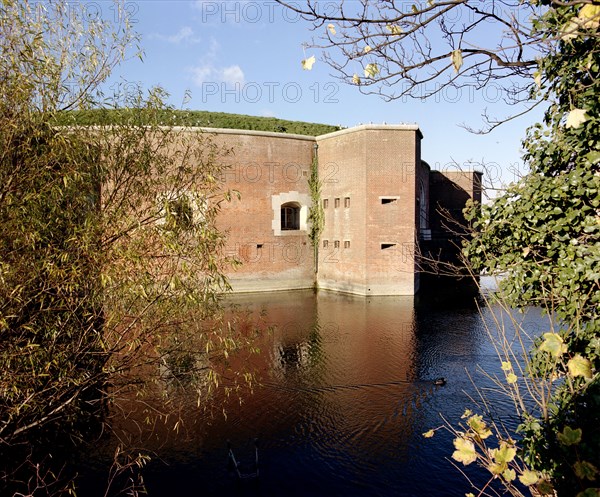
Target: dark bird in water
(440, 381)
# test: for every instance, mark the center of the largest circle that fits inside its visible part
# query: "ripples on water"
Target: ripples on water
(346, 394)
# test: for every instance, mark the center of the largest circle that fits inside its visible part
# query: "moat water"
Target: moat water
(347, 392)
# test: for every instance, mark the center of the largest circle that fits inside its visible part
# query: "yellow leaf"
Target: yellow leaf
(554, 344)
(509, 474)
(371, 70)
(465, 451)
(590, 15)
(576, 118)
(585, 470)
(504, 454)
(478, 425)
(356, 79)
(457, 60)
(529, 477)
(544, 487)
(367, 49)
(308, 63)
(429, 434)
(394, 29)
(496, 468)
(331, 29)
(580, 366)
(511, 378)
(506, 366)
(569, 436)
(569, 31)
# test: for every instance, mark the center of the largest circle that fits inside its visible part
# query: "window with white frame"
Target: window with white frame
(290, 213)
(179, 210)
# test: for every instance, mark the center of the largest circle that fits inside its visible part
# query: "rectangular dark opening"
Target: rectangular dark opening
(387, 246)
(290, 216)
(388, 200)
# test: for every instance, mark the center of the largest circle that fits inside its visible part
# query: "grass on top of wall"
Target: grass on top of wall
(105, 117)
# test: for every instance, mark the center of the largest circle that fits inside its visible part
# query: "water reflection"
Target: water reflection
(346, 392)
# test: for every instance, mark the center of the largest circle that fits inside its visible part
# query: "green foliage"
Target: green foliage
(569, 436)
(50, 335)
(108, 239)
(316, 215)
(501, 462)
(196, 118)
(51, 350)
(542, 235)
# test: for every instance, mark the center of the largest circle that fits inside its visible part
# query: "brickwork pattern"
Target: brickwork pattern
(375, 167)
(379, 200)
(264, 166)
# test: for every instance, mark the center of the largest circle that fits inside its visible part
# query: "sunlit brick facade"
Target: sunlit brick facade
(375, 196)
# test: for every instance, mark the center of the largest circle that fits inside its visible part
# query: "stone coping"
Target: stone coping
(273, 134)
(248, 132)
(291, 136)
(372, 127)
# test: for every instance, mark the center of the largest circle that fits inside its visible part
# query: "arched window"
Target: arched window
(290, 213)
(179, 213)
(290, 216)
(180, 210)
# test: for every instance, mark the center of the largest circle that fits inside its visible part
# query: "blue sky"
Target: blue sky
(245, 57)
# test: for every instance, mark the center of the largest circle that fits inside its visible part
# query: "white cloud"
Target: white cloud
(212, 49)
(201, 74)
(233, 74)
(208, 71)
(185, 34)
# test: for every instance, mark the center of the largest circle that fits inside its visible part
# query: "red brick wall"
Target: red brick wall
(375, 167)
(264, 165)
(371, 181)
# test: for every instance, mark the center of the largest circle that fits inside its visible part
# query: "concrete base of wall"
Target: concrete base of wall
(256, 283)
(363, 289)
(268, 285)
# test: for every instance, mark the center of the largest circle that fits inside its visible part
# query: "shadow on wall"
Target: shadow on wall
(440, 257)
